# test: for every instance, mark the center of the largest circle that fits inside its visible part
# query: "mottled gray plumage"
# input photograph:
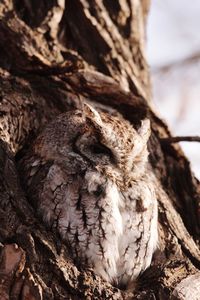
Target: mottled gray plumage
(87, 175)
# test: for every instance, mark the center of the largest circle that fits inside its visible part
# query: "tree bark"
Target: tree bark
(54, 54)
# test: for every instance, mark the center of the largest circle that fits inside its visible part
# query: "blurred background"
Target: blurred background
(173, 51)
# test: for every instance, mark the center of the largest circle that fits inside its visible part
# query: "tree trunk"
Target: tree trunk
(54, 54)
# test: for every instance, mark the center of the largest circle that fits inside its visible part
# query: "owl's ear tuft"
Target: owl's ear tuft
(93, 114)
(145, 129)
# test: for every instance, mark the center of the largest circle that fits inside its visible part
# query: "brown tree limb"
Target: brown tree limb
(177, 139)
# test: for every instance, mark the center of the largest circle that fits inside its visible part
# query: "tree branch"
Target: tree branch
(176, 139)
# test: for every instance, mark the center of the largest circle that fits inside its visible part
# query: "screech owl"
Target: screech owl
(87, 175)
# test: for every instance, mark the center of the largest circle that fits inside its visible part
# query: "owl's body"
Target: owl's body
(87, 175)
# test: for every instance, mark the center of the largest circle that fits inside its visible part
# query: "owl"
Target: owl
(87, 176)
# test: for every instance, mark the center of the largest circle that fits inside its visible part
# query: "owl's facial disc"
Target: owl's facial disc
(90, 148)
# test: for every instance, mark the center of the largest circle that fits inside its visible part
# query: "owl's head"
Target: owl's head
(96, 138)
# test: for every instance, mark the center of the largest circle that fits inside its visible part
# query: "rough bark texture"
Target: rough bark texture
(53, 54)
